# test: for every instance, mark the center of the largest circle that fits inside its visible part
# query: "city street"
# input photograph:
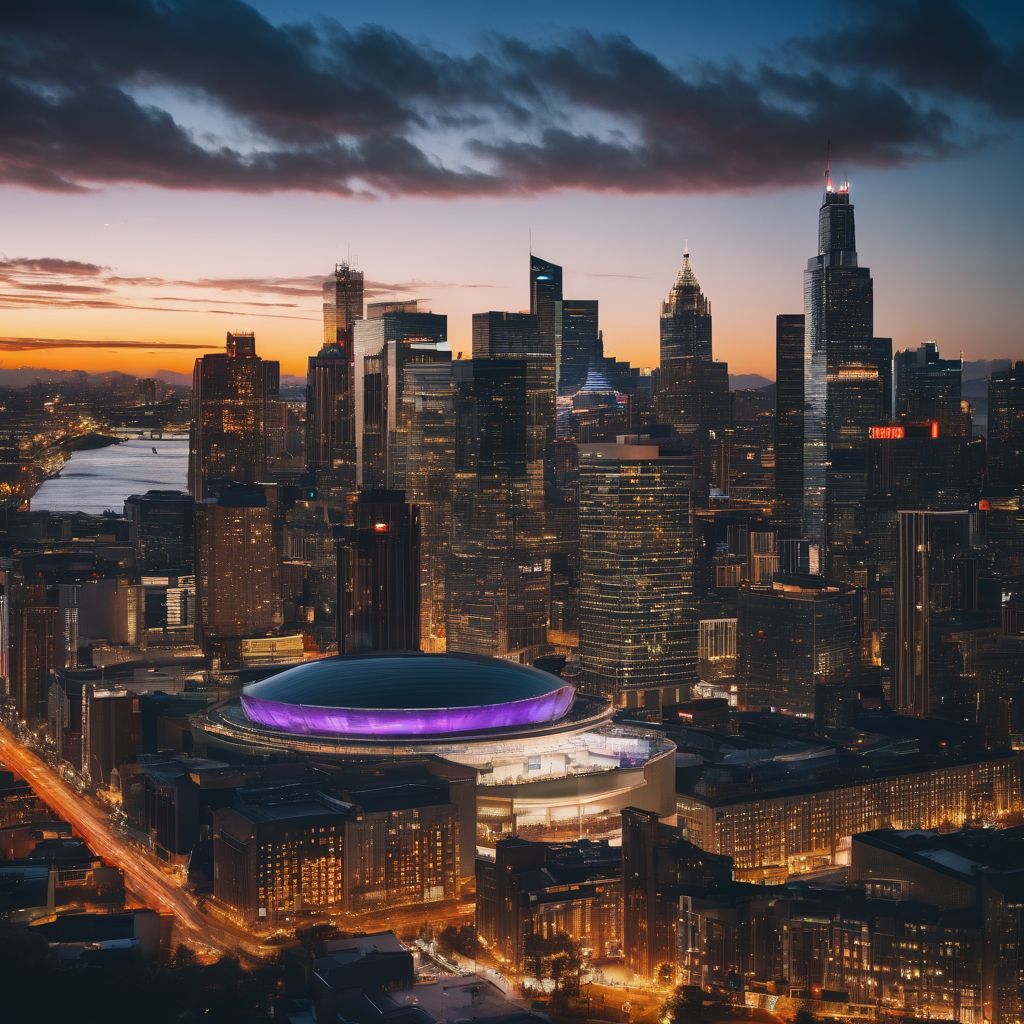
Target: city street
(142, 877)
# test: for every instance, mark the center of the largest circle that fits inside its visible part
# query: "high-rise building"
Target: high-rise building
(330, 428)
(497, 583)
(161, 525)
(847, 383)
(581, 343)
(928, 387)
(789, 417)
(238, 569)
(392, 337)
(111, 730)
(638, 623)
(343, 306)
(1006, 427)
(798, 635)
(379, 576)
(425, 445)
(37, 648)
(935, 580)
(546, 306)
(685, 319)
(231, 393)
(693, 388)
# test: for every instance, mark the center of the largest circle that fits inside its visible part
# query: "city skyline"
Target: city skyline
(150, 251)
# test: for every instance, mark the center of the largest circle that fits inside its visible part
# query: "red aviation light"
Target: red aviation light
(380, 527)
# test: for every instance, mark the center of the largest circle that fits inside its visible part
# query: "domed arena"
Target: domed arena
(406, 694)
(549, 762)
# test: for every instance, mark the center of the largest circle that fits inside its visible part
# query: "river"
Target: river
(101, 478)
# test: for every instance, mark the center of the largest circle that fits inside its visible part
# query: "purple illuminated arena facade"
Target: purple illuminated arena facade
(410, 695)
(308, 719)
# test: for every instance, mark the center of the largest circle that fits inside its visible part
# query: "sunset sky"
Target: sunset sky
(174, 170)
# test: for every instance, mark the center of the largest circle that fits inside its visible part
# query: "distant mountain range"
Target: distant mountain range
(975, 376)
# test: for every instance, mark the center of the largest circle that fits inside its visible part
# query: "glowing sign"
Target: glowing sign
(887, 432)
(380, 527)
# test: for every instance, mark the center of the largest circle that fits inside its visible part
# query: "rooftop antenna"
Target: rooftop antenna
(686, 249)
(828, 165)
(529, 243)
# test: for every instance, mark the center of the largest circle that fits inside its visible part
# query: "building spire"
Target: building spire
(828, 165)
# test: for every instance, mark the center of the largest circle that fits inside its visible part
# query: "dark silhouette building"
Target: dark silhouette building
(379, 576)
(928, 387)
(162, 528)
(1006, 427)
(789, 418)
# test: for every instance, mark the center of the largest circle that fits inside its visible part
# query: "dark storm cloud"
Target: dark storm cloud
(136, 91)
(933, 45)
(317, 108)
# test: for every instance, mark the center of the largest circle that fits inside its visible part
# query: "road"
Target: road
(142, 876)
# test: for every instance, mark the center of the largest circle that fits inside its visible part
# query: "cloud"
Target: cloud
(113, 92)
(34, 344)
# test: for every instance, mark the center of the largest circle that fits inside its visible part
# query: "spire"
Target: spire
(685, 295)
(828, 165)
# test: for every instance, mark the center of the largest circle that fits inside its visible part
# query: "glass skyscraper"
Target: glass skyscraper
(847, 382)
(638, 625)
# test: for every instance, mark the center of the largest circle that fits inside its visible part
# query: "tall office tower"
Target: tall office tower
(659, 867)
(7, 585)
(393, 336)
(546, 305)
(685, 319)
(379, 576)
(935, 580)
(581, 343)
(238, 569)
(497, 584)
(518, 336)
(796, 636)
(330, 399)
(789, 418)
(693, 389)
(330, 427)
(37, 649)
(111, 731)
(929, 388)
(1006, 427)
(161, 526)
(343, 306)
(231, 392)
(909, 465)
(846, 379)
(425, 446)
(638, 623)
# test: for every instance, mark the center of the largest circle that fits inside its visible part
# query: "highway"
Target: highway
(144, 878)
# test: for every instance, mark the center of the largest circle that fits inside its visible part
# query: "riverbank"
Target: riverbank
(92, 440)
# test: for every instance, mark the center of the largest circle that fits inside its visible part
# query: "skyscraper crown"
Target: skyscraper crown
(685, 295)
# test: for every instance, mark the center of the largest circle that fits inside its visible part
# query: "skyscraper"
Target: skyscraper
(789, 417)
(546, 306)
(793, 637)
(693, 388)
(497, 583)
(1006, 426)
(638, 624)
(238, 569)
(379, 576)
(389, 339)
(581, 343)
(330, 402)
(343, 306)
(231, 392)
(928, 387)
(518, 336)
(846, 382)
(934, 581)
